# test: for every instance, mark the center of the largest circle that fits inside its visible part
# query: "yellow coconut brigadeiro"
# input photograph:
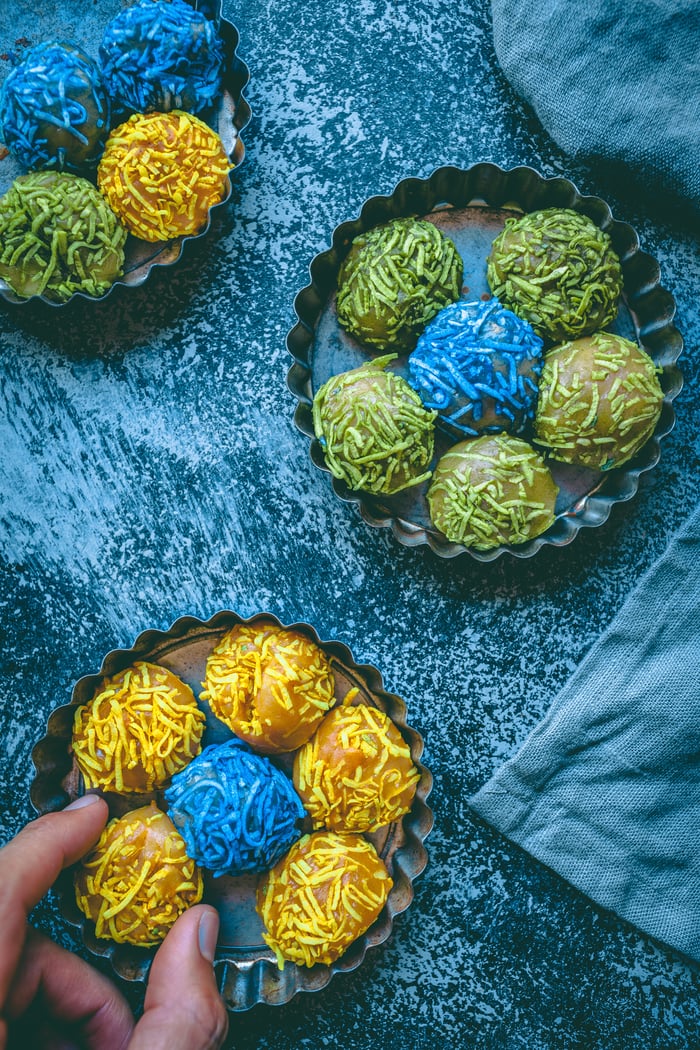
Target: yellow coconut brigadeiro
(162, 172)
(356, 772)
(138, 879)
(321, 897)
(137, 731)
(271, 686)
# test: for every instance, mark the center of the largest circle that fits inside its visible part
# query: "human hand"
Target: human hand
(50, 998)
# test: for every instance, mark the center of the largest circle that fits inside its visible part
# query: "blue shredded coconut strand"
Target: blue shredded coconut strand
(236, 811)
(54, 111)
(478, 365)
(160, 55)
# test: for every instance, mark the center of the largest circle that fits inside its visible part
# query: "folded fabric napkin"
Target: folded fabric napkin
(611, 79)
(606, 790)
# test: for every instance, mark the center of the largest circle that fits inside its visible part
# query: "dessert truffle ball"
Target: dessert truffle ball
(373, 429)
(162, 55)
(492, 490)
(271, 686)
(58, 237)
(236, 811)
(323, 895)
(139, 729)
(600, 400)
(54, 111)
(558, 270)
(394, 279)
(356, 772)
(478, 365)
(138, 879)
(162, 172)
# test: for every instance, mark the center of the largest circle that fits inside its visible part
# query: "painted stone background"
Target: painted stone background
(149, 468)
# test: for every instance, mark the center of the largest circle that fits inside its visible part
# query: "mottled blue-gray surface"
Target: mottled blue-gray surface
(149, 467)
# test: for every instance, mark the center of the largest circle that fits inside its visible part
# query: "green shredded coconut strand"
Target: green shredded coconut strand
(395, 279)
(375, 433)
(556, 269)
(58, 236)
(492, 490)
(600, 400)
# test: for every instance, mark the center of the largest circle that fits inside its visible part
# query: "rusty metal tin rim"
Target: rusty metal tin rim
(651, 308)
(244, 982)
(231, 118)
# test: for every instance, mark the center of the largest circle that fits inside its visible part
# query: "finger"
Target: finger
(70, 992)
(30, 863)
(183, 1009)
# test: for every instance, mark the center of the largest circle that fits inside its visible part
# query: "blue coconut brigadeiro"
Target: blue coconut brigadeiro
(236, 811)
(160, 55)
(478, 365)
(54, 111)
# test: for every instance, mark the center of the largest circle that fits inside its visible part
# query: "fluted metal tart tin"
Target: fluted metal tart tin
(246, 968)
(228, 119)
(471, 205)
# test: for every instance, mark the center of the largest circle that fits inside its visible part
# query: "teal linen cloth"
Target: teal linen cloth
(606, 790)
(611, 79)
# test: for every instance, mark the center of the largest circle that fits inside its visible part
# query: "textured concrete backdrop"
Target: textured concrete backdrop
(149, 468)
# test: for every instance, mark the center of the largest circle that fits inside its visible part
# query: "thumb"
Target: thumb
(183, 1009)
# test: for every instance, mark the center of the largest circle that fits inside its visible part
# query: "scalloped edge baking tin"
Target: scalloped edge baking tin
(231, 117)
(651, 309)
(248, 975)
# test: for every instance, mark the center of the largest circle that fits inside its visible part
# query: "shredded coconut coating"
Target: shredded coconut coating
(162, 172)
(356, 772)
(58, 237)
(141, 728)
(600, 401)
(394, 279)
(162, 55)
(138, 879)
(271, 686)
(558, 270)
(236, 811)
(478, 366)
(321, 897)
(492, 490)
(375, 433)
(54, 109)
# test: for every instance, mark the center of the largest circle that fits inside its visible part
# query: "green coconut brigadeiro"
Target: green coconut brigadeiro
(600, 400)
(558, 270)
(375, 433)
(491, 490)
(394, 280)
(58, 236)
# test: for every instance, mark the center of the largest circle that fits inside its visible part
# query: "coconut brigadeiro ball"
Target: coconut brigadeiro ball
(139, 729)
(162, 55)
(493, 490)
(478, 365)
(58, 237)
(356, 772)
(558, 270)
(54, 111)
(162, 173)
(236, 811)
(373, 429)
(394, 279)
(271, 686)
(323, 895)
(138, 879)
(600, 401)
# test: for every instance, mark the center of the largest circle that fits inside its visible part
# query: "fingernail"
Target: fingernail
(84, 800)
(208, 935)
